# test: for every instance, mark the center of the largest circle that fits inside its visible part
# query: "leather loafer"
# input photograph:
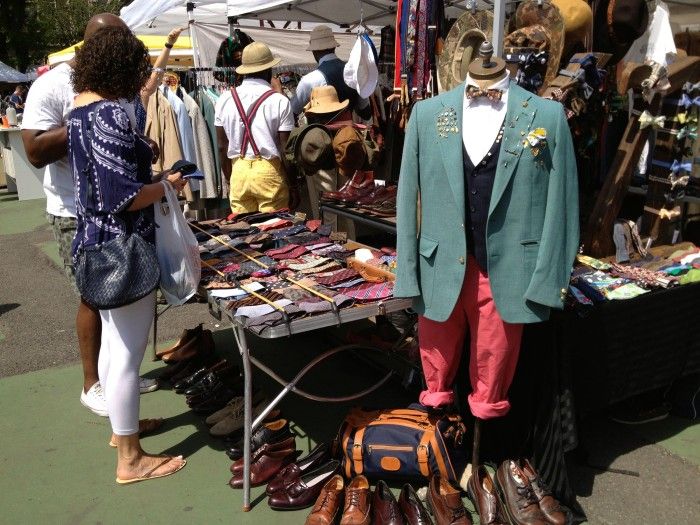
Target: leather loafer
(482, 492)
(519, 501)
(548, 505)
(412, 508)
(316, 457)
(304, 491)
(272, 432)
(265, 467)
(445, 502)
(385, 509)
(328, 503)
(289, 443)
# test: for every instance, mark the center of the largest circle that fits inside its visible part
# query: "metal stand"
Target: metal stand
(156, 315)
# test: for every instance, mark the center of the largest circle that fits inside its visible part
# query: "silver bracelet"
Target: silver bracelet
(158, 70)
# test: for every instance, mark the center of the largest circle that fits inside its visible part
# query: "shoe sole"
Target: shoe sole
(101, 413)
(641, 422)
(151, 388)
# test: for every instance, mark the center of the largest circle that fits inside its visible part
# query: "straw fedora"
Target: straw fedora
(256, 57)
(321, 38)
(618, 23)
(462, 46)
(578, 20)
(324, 99)
(547, 15)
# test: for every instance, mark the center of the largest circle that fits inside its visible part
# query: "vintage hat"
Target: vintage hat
(324, 99)
(314, 149)
(360, 71)
(618, 23)
(462, 46)
(547, 15)
(349, 150)
(320, 38)
(578, 20)
(256, 57)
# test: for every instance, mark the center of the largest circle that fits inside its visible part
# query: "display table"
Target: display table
(386, 224)
(22, 177)
(297, 326)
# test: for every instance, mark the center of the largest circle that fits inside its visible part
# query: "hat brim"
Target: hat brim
(321, 46)
(256, 68)
(332, 107)
(302, 134)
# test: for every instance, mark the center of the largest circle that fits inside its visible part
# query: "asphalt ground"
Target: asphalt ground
(55, 466)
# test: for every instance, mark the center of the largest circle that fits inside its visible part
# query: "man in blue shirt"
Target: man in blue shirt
(17, 98)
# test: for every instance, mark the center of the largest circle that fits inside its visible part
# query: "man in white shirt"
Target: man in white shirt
(253, 123)
(45, 136)
(322, 44)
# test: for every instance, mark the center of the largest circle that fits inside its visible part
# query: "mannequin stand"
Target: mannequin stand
(476, 444)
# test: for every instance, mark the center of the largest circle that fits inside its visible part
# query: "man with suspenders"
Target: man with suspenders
(253, 122)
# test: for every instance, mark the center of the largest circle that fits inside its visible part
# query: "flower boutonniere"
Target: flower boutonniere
(536, 140)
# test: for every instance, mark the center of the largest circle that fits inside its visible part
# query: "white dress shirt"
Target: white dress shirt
(482, 120)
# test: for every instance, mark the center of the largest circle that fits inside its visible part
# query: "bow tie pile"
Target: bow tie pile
(494, 95)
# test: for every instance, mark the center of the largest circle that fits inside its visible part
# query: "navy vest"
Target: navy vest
(478, 183)
(333, 71)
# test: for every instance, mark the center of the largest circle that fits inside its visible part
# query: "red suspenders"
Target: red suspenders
(248, 120)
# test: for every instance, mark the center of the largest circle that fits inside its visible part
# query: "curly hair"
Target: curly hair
(112, 63)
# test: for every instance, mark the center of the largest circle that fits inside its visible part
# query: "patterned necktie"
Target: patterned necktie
(370, 292)
(337, 277)
(494, 95)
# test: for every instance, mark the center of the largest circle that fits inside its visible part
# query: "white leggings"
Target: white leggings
(124, 338)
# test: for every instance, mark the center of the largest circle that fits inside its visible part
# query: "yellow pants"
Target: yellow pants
(258, 185)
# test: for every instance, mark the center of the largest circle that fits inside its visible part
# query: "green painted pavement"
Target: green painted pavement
(679, 436)
(21, 217)
(50, 249)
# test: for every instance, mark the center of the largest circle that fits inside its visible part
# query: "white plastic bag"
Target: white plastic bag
(177, 250)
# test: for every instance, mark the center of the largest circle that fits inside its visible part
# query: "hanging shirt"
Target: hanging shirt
(273, 116)
(184, 127)
(482, 119)
(202, 147)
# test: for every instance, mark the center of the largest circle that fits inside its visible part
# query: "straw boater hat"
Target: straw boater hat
(618, 23)
(462, 46)
(320, 38)
(256, 57)
(324, 99)
(547, 15)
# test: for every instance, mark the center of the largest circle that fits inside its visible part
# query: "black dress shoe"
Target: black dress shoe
(190, 380)
(412, 508)
(206, 383)
(272, 432)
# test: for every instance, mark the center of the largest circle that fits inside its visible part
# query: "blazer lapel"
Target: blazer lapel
(448, 126)
(519, 117)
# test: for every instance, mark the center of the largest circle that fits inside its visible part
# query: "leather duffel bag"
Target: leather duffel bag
(405, 443)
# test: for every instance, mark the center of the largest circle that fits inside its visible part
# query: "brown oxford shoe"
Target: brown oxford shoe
(482, 492)
(328, 503)
(446, 503)
(548, 505)
(518, 497)
(357, 502)
(286, 444)
(265, 467)
(188, 335)
(385, 509)
(413, 510)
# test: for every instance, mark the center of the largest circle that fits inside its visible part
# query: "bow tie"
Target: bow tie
(686, 101)
(646, 119)
(681, 166)
(494, 95)
(690, 132)
(689, 87)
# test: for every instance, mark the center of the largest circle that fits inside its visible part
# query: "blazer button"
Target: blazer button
(461, 260)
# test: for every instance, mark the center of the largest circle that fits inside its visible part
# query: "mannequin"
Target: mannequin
(517, 209)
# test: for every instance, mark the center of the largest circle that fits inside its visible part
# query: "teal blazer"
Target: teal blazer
(532, 230)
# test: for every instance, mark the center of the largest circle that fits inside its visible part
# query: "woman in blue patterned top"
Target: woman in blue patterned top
(115, 194)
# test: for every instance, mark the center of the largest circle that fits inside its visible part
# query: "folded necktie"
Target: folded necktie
(314, 305)
(288, 232)
(252, 300)
(347, 284)
(297, 252)
(258, 324)
(313, 225)
(332, 265)
(309, 261)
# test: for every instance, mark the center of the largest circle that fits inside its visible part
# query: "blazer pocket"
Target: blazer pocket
(427, 249)
(531, 248)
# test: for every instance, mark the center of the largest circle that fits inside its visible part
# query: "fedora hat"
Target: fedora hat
(324, 99)
(547, 15)
(313, 149)
(256, 57)
(320, 38)
(617, 24)
(462, 46)
(578, 20)
(349, 150)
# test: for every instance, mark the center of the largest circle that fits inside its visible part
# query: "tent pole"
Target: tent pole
(499, 17)
(193, 36)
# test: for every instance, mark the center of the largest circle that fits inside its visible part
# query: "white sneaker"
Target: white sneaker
(94, 399)
(147, 385)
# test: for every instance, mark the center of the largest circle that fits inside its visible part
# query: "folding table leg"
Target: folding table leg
(240, 336)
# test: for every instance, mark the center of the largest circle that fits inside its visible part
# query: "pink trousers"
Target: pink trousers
(493, 356)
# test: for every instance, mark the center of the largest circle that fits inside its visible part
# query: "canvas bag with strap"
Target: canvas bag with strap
(405, 443)
(247, 118)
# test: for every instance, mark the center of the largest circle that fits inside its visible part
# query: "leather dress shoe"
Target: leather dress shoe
(265, 467)
(359, 185)
(233, 421)
(357, 502)
(482, 492)
(316, 457)
(548, 505)
(189, 334)
(328, 503)
(289, 443)
(304, 491)
(378, 195)
(214, 401)
(272, 432)
(190, 380)
(411, 507)
(203, 344)
(519, 501)
(446, 503)
(385, 509)
(228, 376)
